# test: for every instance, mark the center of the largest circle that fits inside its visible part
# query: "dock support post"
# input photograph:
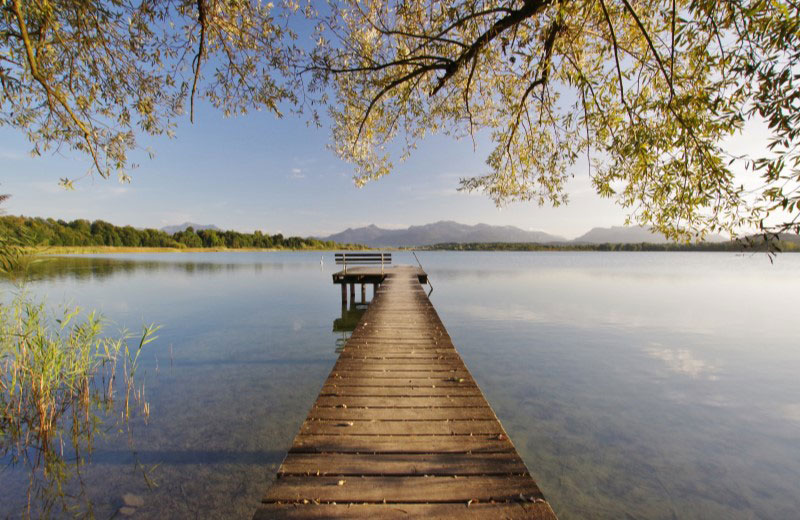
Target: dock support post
(344, 294)
(363, 293)
(353, 293)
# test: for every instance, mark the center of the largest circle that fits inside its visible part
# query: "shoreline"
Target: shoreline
(85, 250)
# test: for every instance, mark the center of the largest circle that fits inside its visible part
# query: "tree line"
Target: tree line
(785, 243)
(52, 232)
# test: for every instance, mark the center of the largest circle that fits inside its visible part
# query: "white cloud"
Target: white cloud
(297, 173)
(11, 155)
(117, 190)
(683, 362)
(791, 411)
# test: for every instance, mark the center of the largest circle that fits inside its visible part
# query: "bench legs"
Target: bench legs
(344, 295)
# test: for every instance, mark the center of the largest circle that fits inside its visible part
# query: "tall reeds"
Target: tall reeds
(58, 381)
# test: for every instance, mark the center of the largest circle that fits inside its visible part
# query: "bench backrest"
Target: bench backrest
(363, 259)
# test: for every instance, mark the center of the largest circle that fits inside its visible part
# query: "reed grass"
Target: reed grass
(60, 378)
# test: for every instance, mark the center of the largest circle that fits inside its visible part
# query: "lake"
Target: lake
(634, 385)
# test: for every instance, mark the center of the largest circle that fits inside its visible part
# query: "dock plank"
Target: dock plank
(399, 402)
(401, 444)
(443, 427)
(416, 489)
(511, 511)
(401, 414)
(401, 429)
(408, 391)
(384, 464)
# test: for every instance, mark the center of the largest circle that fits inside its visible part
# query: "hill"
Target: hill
(182, 227)
(629, 235)
(437, 233)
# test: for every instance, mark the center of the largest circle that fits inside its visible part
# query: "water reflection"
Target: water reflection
(646, 385)
(99, 268)
(344, 325)
(245, 336)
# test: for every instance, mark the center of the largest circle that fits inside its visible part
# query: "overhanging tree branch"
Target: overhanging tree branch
(530, 8)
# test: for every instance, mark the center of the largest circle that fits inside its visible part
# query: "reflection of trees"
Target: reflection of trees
(94, 268)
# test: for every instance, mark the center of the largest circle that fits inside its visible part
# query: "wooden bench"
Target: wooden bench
(346, 259)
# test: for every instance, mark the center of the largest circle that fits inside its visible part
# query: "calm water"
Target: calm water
(635, 385)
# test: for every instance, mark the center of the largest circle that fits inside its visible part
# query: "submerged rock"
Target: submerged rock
(131, 500)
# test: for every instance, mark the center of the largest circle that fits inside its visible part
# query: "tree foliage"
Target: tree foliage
(647, 90)
(91, 75)
(51, 232)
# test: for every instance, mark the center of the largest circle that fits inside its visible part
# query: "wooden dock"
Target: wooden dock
(401, 430)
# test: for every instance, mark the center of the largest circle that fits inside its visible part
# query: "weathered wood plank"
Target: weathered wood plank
(385, 464)
(395, 374)
(448, 382)
(401, 414)
(401, 444)
(378, 391)
(403, 489)
(399, 364)
(446, 427)
(397, 357)
(397, 351)
(311, 511)
(399, 402)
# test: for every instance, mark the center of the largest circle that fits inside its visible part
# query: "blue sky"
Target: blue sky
(259, 172)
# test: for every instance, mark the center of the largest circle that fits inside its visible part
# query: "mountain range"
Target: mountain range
(446, 231)
(453, 232)
(437, 233)
(182, 227)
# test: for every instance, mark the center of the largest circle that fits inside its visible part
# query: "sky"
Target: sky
(278, 176)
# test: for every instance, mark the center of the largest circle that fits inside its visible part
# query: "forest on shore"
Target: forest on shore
(782, 243)
(41, 232)
(48, 232)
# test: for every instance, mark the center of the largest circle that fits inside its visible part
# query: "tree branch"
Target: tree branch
(616, 58)
(52, 93)
(530, 8)
(650, 44)
(387, 88)
(544, 67)
(201, 19)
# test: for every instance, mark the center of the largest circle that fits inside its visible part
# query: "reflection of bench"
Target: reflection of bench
(346, 259)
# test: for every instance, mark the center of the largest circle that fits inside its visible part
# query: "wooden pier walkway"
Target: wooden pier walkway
(401, 430)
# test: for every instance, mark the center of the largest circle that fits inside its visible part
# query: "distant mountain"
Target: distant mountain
(790, 237)
(182, 227)
(629, 235)
(437, 233)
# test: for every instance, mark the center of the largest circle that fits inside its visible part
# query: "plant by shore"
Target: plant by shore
(60, 377)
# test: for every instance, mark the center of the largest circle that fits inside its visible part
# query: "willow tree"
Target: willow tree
(648, 91)
(91, 75)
